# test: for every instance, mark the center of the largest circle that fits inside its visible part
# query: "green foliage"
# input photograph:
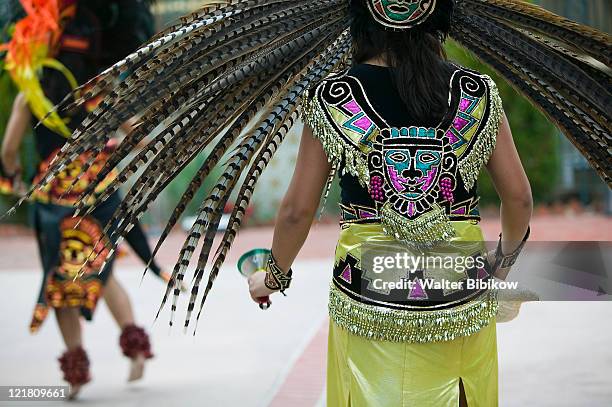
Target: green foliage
(178, 186)
(535, 137)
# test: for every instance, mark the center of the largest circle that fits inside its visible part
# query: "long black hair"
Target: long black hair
(420, 70)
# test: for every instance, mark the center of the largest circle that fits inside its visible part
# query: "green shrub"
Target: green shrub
(535, 137)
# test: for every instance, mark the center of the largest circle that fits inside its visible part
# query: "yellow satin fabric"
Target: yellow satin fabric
(369, 373)
(363, 372)
(354, 235)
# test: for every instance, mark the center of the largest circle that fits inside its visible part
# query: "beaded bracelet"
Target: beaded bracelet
(276, 279)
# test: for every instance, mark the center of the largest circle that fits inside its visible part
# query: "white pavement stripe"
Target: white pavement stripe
(299, 350)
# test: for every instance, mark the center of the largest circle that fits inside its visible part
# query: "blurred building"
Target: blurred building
(169, 10)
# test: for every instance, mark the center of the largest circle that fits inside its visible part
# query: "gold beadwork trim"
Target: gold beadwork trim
(338, 151)
(471, 164)
(385, 324)
(429, 228)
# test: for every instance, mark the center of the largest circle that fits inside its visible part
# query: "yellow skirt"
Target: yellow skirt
(369, 373)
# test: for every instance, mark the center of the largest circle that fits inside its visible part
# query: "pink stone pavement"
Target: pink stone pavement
(18, 249)
(304, 382)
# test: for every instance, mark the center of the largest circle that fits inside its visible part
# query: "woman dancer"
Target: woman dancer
(73, 282)
(411, 180)
(409, 133)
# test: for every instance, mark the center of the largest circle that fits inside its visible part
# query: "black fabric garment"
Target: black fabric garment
(382, 93)
(139, 243)
(383, 96)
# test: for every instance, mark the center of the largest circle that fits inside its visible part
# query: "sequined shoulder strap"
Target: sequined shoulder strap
(471, 129)
(342, 118)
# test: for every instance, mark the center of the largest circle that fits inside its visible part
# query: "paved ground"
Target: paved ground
(555, 354)
(238, 357)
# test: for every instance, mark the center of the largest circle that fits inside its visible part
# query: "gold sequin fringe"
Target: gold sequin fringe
(339, 152)
(384, 324)
(470, 165)
(426, 230)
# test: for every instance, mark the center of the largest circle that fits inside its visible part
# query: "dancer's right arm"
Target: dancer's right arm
(297, 210)
(299, 206)
(15, 130)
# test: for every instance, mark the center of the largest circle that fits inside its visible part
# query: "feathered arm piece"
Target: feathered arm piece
(227, 83)
(34, 39)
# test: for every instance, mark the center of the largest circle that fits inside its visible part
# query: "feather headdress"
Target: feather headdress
(30, 50)
(228, 80)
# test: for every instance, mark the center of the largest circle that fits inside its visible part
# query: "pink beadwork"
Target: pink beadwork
(376, 189)
(446, 189)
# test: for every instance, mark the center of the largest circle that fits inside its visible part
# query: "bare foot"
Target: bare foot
(74, 391)
(137, 365)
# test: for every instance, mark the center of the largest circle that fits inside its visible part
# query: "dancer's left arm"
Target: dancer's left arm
(15, 130)
(298, 208)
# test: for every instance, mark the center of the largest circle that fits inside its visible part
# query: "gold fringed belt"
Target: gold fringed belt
(385, 324)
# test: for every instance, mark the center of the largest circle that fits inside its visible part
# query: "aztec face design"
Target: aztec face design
(401, 13)
(412, 171)
(407, 168)
(77, 252)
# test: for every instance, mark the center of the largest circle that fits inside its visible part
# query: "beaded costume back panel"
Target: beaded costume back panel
(418, 178)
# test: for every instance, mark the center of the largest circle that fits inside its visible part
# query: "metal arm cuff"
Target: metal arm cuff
(507, 260)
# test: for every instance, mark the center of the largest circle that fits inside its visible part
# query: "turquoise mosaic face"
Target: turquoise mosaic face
(401, 13)
(413, 171)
